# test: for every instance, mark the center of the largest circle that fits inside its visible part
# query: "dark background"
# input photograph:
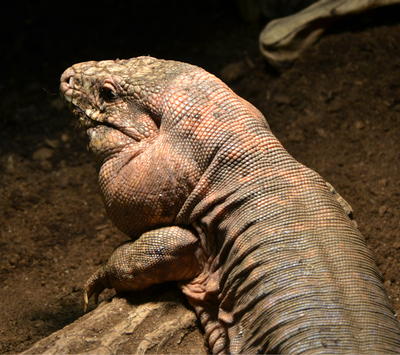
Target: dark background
(41, 39)
(337, 110)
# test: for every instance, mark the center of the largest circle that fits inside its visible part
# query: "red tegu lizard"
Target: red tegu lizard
(262, 247)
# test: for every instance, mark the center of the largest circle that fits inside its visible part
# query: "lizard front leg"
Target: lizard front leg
(165, 254)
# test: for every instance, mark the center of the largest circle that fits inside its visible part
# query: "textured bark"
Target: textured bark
(122, 327)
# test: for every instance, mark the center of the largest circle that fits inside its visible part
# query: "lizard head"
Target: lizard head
(115, 102)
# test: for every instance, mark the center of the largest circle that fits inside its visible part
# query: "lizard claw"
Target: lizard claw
(96, 297)
(93, 287)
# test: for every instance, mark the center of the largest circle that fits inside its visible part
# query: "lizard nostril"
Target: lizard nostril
(67, 80)
(68, 74)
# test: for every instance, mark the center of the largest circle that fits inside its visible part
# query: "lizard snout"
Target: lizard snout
(67, 83)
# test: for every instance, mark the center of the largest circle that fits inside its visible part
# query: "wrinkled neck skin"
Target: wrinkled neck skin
(146, 184)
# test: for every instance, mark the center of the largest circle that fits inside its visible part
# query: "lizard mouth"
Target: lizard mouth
(86, 122)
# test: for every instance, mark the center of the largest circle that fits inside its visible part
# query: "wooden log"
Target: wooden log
(283, 40)
(165, 325)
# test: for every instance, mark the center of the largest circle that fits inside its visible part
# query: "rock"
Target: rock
(383, 182)
(43, 154)
(64, 138)
(387, 283)
(359, 125)
(321, 132)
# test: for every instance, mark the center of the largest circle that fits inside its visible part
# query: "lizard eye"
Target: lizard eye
(108, 94)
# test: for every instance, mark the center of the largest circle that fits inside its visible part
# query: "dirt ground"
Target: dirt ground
(337, 110)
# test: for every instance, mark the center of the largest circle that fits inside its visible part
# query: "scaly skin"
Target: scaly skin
(262, 247)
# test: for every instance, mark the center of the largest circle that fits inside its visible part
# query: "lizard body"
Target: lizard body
(262, 247)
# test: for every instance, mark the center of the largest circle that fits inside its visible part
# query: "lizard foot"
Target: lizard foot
(165, 254)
